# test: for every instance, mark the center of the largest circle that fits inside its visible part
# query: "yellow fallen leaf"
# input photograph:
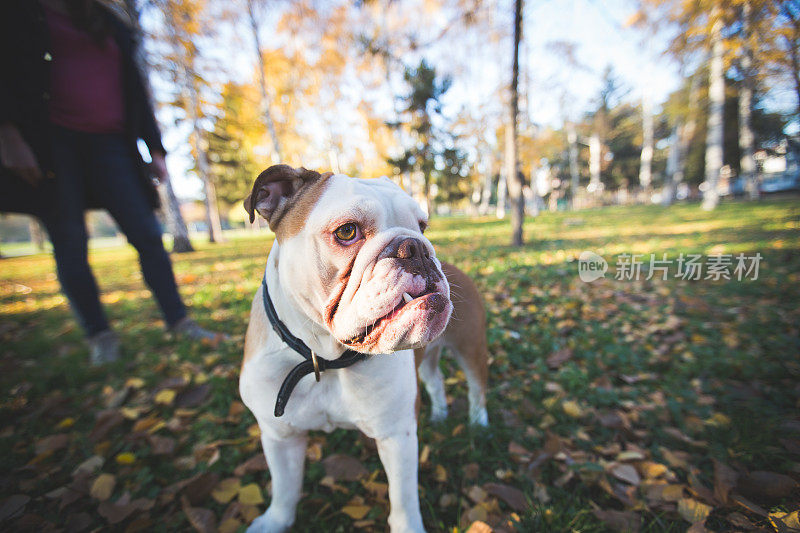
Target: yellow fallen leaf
(226, 490)
(785, 521)
(440, 474)
(250, 495)
(693, 511)
(135, 383)
(572, 408)
(103, 487)
(356, 512)
(718, 420)
(131, 413)
(126, 458)
(165, 397)
(424, 454)
(254, 431)
(229, 525)
(66, 423)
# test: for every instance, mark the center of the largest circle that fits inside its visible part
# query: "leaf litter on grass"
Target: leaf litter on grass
(614, 405)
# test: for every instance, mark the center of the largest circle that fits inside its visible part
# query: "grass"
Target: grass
(664, 376)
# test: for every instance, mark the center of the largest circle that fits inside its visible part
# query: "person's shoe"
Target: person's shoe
(187, 328)
(103, 347)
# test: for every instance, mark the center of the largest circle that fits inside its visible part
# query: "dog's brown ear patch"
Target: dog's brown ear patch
(280, 193)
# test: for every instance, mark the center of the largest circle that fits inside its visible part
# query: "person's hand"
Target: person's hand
(17, 156)
(158, 166)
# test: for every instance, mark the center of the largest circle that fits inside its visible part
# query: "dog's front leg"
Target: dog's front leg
(398, 454)
(285, 459)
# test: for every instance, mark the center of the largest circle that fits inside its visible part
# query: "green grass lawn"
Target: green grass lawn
(618, 404)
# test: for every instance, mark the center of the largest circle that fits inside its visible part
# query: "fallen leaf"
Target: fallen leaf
(106, 421)
(226, 490)
(125, 458)
(619, 520)
(229, 525)
(479, 526)
(559, 357)
(344, 467)
(761, 485)
(202, 520)
(51, 444)
(165, 397)
(193, 397)
(626, 473)
(356, 512)
(693, 511)
(121, 509)
(250, 495)
(476, 494)
(514, 497)
(199, 487)
(572, 408)
(257, 463)
(785, 522)
(89, 466)
(103, 487)
(724, 481)
(13, 505)
(161, 445)
(440, 474)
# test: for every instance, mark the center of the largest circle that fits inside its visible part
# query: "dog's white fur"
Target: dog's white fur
(376, 396)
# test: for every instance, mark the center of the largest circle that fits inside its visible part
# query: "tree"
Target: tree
(715, 131)
(265, 99)
(515, 181)
(169, 201)
(421, 109)
(183, 28)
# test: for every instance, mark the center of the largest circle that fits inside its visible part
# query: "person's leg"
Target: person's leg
(67, 232)
(114, 180)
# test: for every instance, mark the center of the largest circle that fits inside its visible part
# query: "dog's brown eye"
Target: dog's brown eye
(346, 233)
(422, 226)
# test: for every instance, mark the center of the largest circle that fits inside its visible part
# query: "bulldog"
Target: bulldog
(352, 296)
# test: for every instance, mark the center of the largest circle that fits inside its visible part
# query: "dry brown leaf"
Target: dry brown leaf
(104, 423)
(476, 494)
(766, 485)
(514, 497)
(161, 445)
(118, 511)
(51, 444)
(13, 505)
(559, 357)
(344, 468)
(619, 520)
(229, 525)
(257, 463)
(202, 520)
(193, 397)
(89, 466)
(626, 473)
(724, 481)
(103, 487)
(199, 487)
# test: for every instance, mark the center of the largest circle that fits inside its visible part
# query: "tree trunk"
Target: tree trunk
(715, 137)
(747, 163)
(486, 192)
(169, 202)
(646, 159)
(674, 173)
(37, 234)
(502, 193)
(515, 179)
(212, 210)
(595, 147)
(265, 100)
(572, 139)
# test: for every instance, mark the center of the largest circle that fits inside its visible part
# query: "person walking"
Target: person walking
(72, 110)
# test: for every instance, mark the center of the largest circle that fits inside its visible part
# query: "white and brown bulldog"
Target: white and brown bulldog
(351, 287)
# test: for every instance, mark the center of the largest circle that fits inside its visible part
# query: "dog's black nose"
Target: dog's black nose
(411, 248)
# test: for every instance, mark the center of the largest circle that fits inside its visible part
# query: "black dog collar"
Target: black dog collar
(311, 364)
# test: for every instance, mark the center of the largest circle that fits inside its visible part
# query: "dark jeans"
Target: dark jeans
(102, 164)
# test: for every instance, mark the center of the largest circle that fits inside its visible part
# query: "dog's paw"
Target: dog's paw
(479, 417)
(269, 523)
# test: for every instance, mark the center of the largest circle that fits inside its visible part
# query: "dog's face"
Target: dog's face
(354, 258)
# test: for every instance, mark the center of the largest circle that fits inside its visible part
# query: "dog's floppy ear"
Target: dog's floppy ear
(275, 191)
